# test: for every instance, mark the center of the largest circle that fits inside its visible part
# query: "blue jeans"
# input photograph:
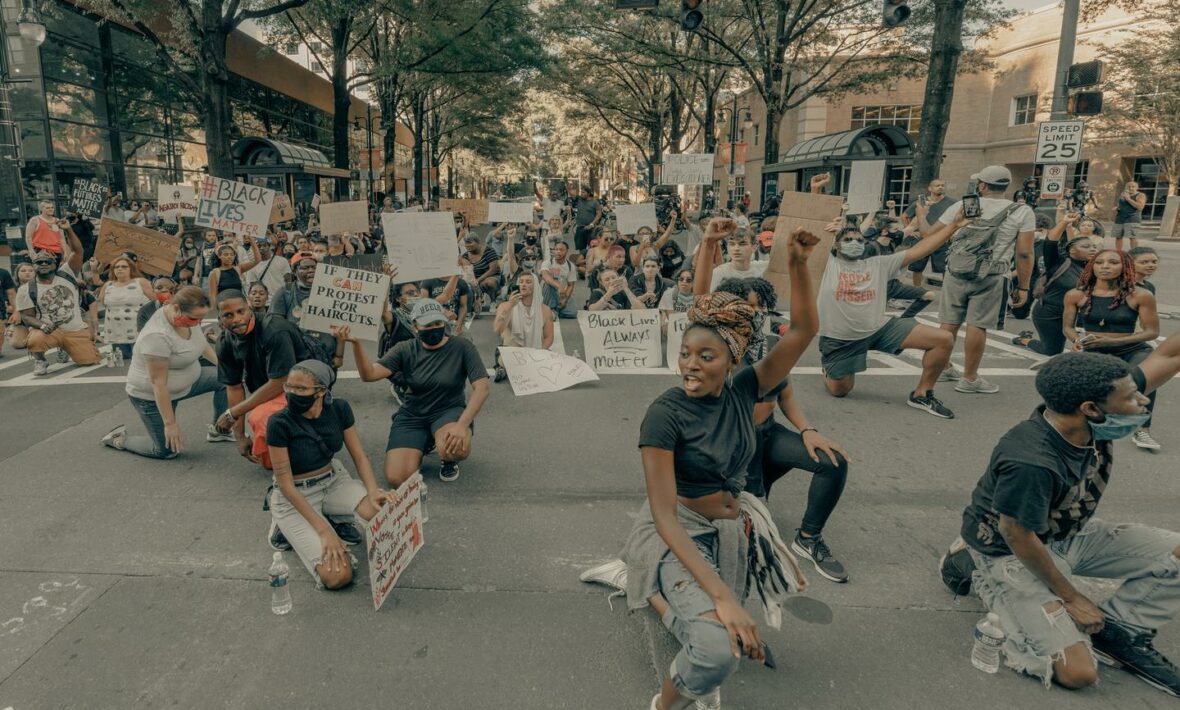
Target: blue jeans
(549, 298)
(153, 445)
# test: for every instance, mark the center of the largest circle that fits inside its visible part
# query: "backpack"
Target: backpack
(1043, 281)
(970, 255)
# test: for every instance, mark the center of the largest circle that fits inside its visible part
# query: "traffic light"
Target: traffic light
(1085, 103)
(894, 13)
(1084, 74)
(691, 16)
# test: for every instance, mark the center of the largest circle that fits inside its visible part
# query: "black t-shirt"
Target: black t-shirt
(711, 438)
(288, 304)
(298, 435)
(1126, 213)
(269, 352)
(1047, 484)
(616, 302)
(1053, 299)
(436, 380)
(435, 287)
(671, 264)
(6, 283)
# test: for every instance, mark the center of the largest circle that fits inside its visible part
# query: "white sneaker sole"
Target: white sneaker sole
(803, 556)
(1108, 660)
(928, 410)
(969, 389)
(1148, 447)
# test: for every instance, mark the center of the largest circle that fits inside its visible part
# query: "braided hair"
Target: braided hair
(1125, 281)
(727, 315)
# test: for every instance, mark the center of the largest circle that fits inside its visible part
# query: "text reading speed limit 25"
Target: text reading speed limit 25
(1059, 141)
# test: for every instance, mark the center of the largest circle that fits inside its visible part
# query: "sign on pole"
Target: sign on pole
(623, 342)
(511, 212)
(1052, 182)
(865, 186)
(533, 371)
(421, 244)
(231, 206)
(176, 201)
(87, 197)
(1059, 141)
(629, 218)
(688, 169)
(393, 537)
(343, 296)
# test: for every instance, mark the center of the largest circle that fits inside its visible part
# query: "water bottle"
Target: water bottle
(118, 356)
(989, 638)
(280, 593)
(422, 502)
(110, 357)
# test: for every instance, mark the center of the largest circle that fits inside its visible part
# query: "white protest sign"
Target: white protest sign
(623, 342)
(677, 324)
(340, 217)
(629, 218)
(688, 169)
(343, 296)
(533, 371)
(511, 212)
(421, 244)
(865, 186)
(552, 208)
(175, 201)
(393, 537)
(237, 207)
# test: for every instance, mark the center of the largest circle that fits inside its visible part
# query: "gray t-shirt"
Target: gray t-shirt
(159, 339)
(852, 295)
(1021, 219)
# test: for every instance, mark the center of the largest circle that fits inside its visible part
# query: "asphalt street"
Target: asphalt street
(131, 583)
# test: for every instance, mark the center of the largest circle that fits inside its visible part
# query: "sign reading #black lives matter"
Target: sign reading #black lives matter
(342, 296)
(236, 207)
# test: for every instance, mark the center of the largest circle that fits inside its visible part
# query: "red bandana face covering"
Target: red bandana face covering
(185, 322)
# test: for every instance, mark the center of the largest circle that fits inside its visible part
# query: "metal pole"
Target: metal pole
(369, 145)
(732, 151)
(1065, 47)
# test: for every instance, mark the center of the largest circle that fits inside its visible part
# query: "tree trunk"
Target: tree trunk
(945, 48)
(657, 150)
(218, 117)
(710, 127)
(676, 131)
(419, 111)
(341, 102)
(770, 153)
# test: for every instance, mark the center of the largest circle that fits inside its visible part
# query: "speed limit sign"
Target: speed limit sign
(1053, 182)
(1059, 142)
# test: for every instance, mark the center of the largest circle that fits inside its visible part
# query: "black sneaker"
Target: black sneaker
(448, 471)
(348, 533)
(501, 375)
(930, 403)
(1119, 646)
(276, 539)
(817, 552)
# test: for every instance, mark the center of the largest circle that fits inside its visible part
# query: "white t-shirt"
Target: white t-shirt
(56, 303)
(275, 275)
(1022, 219)
(159, 339)
(561, 273)
(729, 271)
(852, 296)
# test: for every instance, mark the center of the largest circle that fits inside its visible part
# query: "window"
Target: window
(316, 47)
(900, 178)
(292, 48)
(755, 134)
(1152, 184)
(1024, 110)
(907, 116)
(317, 67)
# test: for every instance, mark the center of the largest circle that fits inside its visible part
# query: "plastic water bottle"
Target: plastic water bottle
(422, 502)
(280, 593)
(118, 356)
(989, 638)
(110, 357)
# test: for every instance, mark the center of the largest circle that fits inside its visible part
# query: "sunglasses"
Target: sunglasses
(45, 262)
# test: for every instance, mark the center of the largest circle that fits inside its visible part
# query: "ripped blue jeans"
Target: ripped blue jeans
(705, 659)
(1148, 598)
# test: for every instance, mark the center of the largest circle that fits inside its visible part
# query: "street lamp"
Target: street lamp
(30, 25)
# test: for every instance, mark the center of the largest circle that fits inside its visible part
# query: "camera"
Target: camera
(1079, 197)
(1029, 192)
(667, 201)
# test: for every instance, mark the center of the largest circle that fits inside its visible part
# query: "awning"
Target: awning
(869, 143)
(255, 151)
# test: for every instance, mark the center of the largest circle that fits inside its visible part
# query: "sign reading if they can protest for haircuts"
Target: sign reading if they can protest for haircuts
(341, 296)
(623, 342)
(688, 169)
(231, 206)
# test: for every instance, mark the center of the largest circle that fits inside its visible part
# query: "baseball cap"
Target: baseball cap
(44, 255)
(766, 238)
(427, 312)
(300, 256)
(994, 175)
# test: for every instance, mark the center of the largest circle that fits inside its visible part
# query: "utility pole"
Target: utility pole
(1065, 47)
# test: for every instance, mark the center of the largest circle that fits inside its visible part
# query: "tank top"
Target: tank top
(1104, 319)
(229, 279)
(46, 237)
(1126, 212)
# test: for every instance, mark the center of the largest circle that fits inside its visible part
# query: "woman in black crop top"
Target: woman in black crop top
(309, 484)
(1063, 264)
(1108, 313)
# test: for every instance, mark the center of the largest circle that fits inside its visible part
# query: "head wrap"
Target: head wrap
(729, 316)
(323, 374)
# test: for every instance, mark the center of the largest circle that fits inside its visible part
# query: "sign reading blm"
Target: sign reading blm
(1059, 141)
(231, 206)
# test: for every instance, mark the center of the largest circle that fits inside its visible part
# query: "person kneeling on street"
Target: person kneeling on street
(309, 482)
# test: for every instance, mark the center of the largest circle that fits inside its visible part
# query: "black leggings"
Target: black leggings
(780, 450)
(1052, 338)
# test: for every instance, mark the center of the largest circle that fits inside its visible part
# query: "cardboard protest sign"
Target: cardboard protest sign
(511, 212)
(865, 186)
(812, 213)
(342, 296)
(677, 324)
(176, 201)
(475, 210)
(622, 342)
(155, 251)
(629, 218)
(551, 209)
(393, 537)
(688, 169)
(421, 244)
(231, 206)
(282, 210)
(533, 371)
(88, 197)
(341, 217)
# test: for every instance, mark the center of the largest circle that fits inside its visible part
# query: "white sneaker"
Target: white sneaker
(214, 435)
(976, 386)
(950, 374)
(612, 574)
(115, 437)
(1143, 440)
(40, 368)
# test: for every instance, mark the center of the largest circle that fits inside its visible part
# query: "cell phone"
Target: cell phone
(971, 207)
(766, 655)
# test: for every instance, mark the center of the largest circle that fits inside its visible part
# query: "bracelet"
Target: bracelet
(810, 428)
(229, 413)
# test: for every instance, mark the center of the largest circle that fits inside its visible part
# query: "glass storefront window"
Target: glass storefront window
(27, 101)
(80, 142)
(38, 182)
(142, 182)
(64, 21)
(75, 103)
(141, 117)
(69, 62)
(130, 47)
(150, 151)
(32, 140)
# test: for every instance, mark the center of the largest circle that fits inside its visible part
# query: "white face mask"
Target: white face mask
(852, 249)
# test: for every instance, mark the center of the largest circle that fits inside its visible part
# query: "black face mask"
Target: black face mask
(300, 403)
(432, 336)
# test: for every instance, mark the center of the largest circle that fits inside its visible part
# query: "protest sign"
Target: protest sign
(341, 217)
(476, 211)
(421, 244)
(622, 342)
(629, 218)
(551, 209)
(343, 296)
(677, 324)
(88, 198)
(393, 537)
(365, 262)
(237, 207)
(511, 212)
(175, 202)
(315, 201)
(812, 213)
(282, 210)
(533, 371)
(688, 169)
(155, 251)
(865, 186)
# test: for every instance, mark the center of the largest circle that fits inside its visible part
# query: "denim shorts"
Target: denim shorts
(841, 358)
(337, 494)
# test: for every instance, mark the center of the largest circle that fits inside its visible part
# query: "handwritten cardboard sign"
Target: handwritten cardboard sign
(282, 210)
(341, 217)
(175, 202)
(533, 371)
(622, 342)
(393, 537)
(342, 296)
(476, 211)
(677, 324)
(813, 213)
(155, 251)
(421, 244)
(629, 218)
(88, 197)
(511, 212)
(688, 169)
(231, 206)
